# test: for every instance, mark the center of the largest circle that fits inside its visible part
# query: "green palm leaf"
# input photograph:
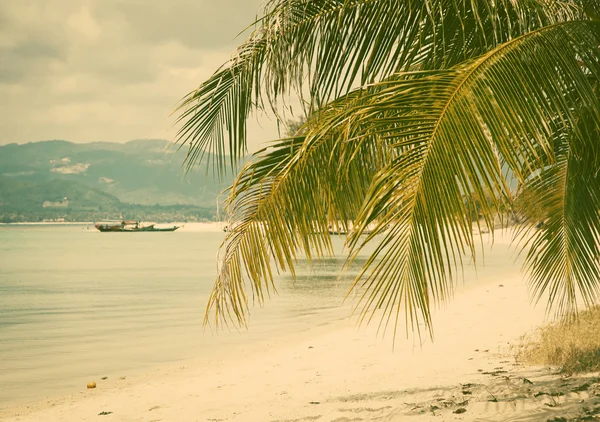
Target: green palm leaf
(449, 104)
(335, 44)
(565, 197)
(454, 130)
(283, 202)
(449, 144)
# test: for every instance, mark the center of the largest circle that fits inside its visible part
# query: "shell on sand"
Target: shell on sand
(91, 384)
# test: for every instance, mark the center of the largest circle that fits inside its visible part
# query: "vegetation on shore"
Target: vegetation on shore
(572, 346)
(157, 213)
(69, 201)
(59, 180)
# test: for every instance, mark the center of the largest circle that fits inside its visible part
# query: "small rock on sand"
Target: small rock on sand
(91, 384)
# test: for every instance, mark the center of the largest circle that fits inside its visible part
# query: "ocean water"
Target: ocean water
(77, 304)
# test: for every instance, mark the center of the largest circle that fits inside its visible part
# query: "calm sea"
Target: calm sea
(77, 304)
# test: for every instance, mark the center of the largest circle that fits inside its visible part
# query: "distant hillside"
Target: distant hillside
(18, 195)
(141, 172)
(48, 178)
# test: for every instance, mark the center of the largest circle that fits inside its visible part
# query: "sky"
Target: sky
(112, 70)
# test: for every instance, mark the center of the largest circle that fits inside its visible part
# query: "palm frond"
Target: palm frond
(445, 135)
(335, 44)
(219, 107)
(454, 130)
(283, 203)
(436, 140)
(562, 204)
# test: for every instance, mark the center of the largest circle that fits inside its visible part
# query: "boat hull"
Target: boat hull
(109, 228)
(151, 229)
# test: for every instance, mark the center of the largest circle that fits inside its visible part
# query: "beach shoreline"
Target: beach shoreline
(336, 371)
(212, 226)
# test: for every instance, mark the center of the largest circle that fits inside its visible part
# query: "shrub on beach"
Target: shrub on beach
(572, 346)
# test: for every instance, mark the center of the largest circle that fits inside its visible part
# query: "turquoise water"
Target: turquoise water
(77, 304)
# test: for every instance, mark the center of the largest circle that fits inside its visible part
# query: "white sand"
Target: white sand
(337, 373)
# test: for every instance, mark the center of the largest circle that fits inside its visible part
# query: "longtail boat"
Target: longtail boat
(133, 226)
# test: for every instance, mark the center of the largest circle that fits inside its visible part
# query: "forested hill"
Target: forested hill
(105, 178)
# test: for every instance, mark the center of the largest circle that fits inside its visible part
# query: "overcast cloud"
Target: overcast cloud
(111, 70)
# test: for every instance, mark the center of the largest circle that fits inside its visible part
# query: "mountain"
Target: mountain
(50, 177)
(23, 195)
(141, 171)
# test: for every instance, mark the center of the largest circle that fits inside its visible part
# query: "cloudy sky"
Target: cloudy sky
(111, 70)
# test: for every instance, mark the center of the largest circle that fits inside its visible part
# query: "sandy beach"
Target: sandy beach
(338, 372)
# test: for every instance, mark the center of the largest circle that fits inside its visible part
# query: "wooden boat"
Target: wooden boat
(109, 227)
(133, 226)
(151, 229)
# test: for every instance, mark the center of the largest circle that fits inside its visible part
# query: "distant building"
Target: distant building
(57, 204)
(64, 168)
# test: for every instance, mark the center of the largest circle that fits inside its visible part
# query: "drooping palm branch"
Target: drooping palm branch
(457, 153)
(561, 205)
(459, 98)
(285, 200)
(337, 43)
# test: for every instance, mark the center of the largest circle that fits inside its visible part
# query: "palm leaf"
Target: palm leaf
(283, 203)
(219, 107)
(457, 129)
(439, 140)
(451, 141)
(335, 44)
(562, 204)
